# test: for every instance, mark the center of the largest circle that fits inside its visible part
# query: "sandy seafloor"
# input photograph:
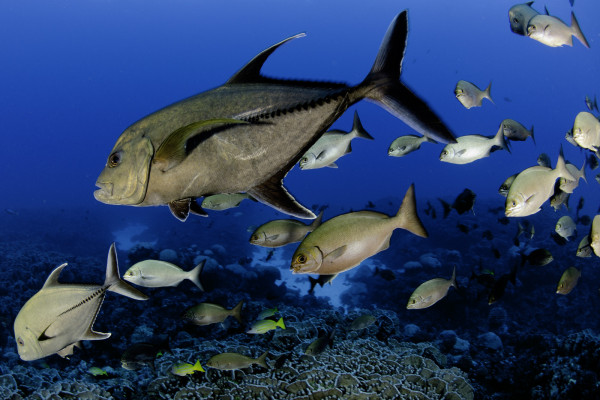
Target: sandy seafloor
(531, 343)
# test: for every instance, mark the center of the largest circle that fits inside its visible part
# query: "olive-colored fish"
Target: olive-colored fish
(183, 368)
(224, 201)
(362, 322)
(532, 187)
(470, 95)
(246, 135)
(208, 313)
(565, 227)
(503, 189)
(552, 32)
(586, 131)
(319, 345)
(537, 258)
(265, 325)
(584, 249)
(430, 292)
(343, 242)
(280, 232)
(595, 235)
(559, 198)
(157, 273)
(331, 146)
(407, 144)
(568, 280)
(321, 280)
(95, 371)
(234, 361)
(514, 130)
(267, 313)
(60, 315)
(519, 16)
(470, 148)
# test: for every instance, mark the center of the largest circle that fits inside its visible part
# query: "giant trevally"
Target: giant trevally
(244, 136)
(57, 317)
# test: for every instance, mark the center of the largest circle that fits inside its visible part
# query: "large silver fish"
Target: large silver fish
(57, 317)
(552, 32)
(245, 135)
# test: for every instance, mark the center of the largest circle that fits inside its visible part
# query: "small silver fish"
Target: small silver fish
(470, 95)
(565, 227)
(514, 130)
(543, 160)
(224, 201)
(470, 148)
(595, 235)
(331, 146)
(407, 144)
(519, 16)
(586, 131)
(552, 32)
(584, 250)
(157, 273)
(569, 186)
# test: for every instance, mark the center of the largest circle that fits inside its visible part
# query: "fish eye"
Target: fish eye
(20, 341)
(516, 20)
(514, 203)
(301, 258)
(444, 153)
(114, 159)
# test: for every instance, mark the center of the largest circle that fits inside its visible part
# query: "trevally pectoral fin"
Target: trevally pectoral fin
(173, 150)
(67, 351)
(275, 195)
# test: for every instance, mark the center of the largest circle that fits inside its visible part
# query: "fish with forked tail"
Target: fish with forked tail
(246, 135)
(60, 315)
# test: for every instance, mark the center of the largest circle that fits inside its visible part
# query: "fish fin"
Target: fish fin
(336, 253)
(577, 31)
(348, 149)
(500, 141)
(275, 195)
(250, 73)
(386, 244)
(280, 323)
(546, 10)
(322, 155)
(113, 280)
(561, 169)
(93, 335)
(313, 283)
(67, 351)
(407, 217)
(487, 93)
(453, 279)
(194, 275)
(358, 129)
(52, 279)
(198, 367)
(262, 360)
(461, 152)
(236, 312)
(180, 208)
(332, 165)
(532, 137)
(529, 3)
(196, 209)
(272, 237)
(316, 222)
(174, 149)
(384, 86)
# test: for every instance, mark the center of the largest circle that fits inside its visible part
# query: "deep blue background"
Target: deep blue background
(75, 74)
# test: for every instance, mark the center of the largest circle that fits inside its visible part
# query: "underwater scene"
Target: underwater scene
(300, 200)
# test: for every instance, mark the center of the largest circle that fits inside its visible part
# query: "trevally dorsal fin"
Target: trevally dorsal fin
(173, 150)
(113, 281)
(52, 279)
(250, 73)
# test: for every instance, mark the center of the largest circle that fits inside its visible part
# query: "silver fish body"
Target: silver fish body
(430, 292)
(280, 232)
(514, 130)
(565, 227)
(60, 315)
(519, 16)
(586, 131)
(470, 95)
(552, 32)
(505, 187)
(471, 148)
(406, 144)
(244, 136)
(224, 201)
(157, 273)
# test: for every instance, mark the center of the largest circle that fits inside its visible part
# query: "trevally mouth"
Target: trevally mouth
(104, 192)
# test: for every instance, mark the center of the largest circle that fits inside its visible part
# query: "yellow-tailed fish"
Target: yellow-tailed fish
(183, 368)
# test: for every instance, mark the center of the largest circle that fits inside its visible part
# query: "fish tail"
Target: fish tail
(532, 137)
(198, 367)
(383, 86)
(280, 323)
(194, 275)
(582, 172)
(316, 222)
(262, 360)
(113, 281)
(358, 130)
(577, 31)
(447, 207)
(313, 283)
(561, 168)
(237, 310)
(407, 217)
(487, 93)
(500, 140)
(453, 279)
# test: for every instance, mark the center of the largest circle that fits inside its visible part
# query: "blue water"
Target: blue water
(76, 74)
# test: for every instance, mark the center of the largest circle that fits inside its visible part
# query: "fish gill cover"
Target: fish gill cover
(77, 74)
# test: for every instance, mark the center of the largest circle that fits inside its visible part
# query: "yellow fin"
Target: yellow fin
(172, 150)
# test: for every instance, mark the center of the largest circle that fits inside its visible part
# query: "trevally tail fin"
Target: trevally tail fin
(113, 279)
(385, 88)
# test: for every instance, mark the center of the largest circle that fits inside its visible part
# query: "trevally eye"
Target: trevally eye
(114, 159)
(20, 342)
(301, 259)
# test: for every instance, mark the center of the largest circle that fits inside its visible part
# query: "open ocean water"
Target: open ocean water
(75, 74)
